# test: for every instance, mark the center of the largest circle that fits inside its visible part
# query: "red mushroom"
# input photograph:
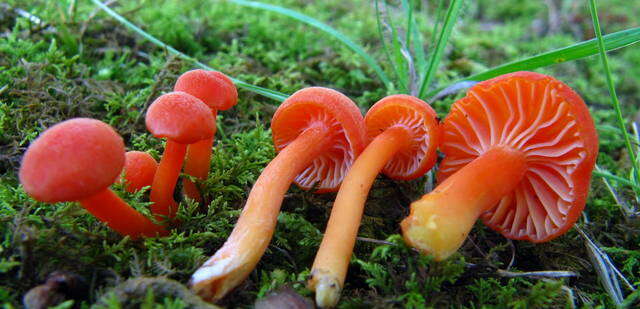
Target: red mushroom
(405, 136)
(318, 133)
(218, 92)
(77, 160)
(519, 151)
(139, 169)
(183, 119)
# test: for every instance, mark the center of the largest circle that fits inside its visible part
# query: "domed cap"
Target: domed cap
(139, 169)
(551, 125)
(340, 115)
(420, 120)
(213, 88)
(72, 160)
(180, 117)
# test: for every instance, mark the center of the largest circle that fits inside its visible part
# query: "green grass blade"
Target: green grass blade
(452, 16)
(618, 179)
(323, 27)
(272, 94)
(612, 89)
(577, 51)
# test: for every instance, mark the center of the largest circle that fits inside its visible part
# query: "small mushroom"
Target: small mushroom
(318, 133)
(139, 169)
(404, 133)
(182, 119)
(219, 93)
(519, 152)
(77, 160)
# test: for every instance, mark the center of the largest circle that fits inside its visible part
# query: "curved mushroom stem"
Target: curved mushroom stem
(118, 215)
(164, 182)
(332, 260)
(440, 221)
(197, 165)
(251, 235)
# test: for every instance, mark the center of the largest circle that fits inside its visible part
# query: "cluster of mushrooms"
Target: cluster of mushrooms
(518, 150)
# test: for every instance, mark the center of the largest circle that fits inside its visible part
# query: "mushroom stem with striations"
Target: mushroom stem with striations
(519, 151)
(318, 133)
(404, 133)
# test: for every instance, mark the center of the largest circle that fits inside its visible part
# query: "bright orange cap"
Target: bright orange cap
(340, 114)
(139, 169)
(72, 160)
(416, 115)
(180, 117)
(213, 88)
(551, 125)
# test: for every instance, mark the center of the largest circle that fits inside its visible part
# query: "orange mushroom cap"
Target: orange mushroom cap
(180, 117)
(67, 164)
(548, 122)
(340, 114)
(139, 169)
(213, 88)
(421, 120)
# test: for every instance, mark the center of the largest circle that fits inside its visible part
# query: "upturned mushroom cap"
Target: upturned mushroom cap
(213, 88)
(548, 122)
(180, 117)
(72, 160)
(420, 119)
(340, 115)
(139, 169)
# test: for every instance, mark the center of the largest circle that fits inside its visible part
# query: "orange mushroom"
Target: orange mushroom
(318, 133)
(183, 119)
(519, 151)
(218, 92)
(139, 169)
(405, 136)
(77, 160)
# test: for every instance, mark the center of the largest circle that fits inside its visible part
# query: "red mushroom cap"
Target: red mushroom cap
(72, 160)
(340, 114)
(551, 125)
(180, 117)
(213, 88)
(139, 169)
(415, 115)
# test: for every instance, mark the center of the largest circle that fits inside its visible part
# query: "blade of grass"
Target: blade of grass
(272, 94)
(621, 180)
(385, 47)
(414, 47)
(452, 16)
(612, 89)
(323, 27)
(577, 51)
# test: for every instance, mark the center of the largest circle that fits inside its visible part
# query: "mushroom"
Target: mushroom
(519, 151)
(77, 160)
(183, 119)
(139, 169)
(218, 92)
(405, 136)
(318, 133)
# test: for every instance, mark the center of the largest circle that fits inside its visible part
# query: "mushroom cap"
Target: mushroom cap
(420, 120)
(551, 125)
(212, 87)
(139, 169)
(180, 117)
(341, 116)
(72, 160)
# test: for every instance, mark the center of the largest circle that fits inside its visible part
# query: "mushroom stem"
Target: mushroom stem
(332, 260)
(164, 182)
(251, 235)
(118, 215)
(440, 221)
(197, 165)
